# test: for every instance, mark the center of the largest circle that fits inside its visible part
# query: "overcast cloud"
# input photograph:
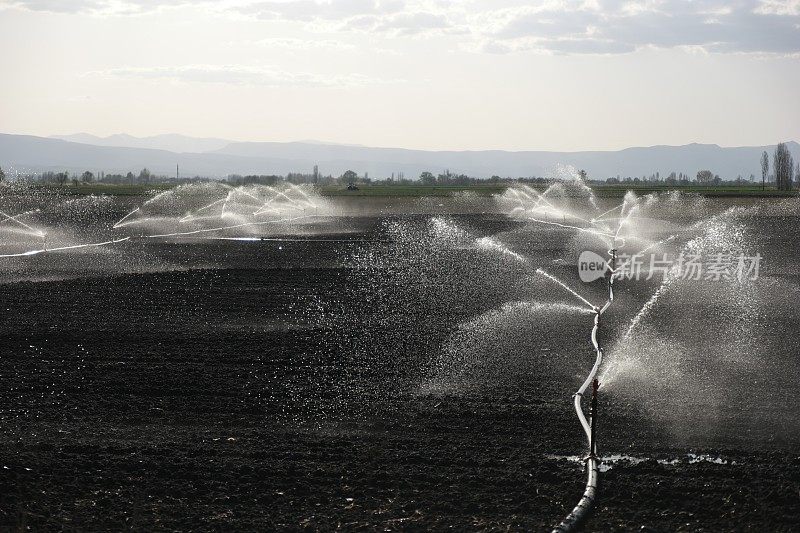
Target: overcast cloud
(566, 27)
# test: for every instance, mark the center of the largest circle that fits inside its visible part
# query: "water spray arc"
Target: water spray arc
(190, 211)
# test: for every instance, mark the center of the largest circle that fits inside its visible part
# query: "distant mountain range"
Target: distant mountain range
(219, 157)
(170, 142)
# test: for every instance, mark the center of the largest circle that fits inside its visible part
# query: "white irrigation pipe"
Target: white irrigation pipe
(585, 504)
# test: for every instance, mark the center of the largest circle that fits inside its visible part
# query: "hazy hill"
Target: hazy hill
(39, 153)
(727, 162)
(169, 142)
(35, 154)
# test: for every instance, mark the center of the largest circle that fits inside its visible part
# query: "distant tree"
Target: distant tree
(87, 177)
(783, 166)
(348, 177)
(705, 176)
(74, 182)
(583, 174)
(427, 178)
(130, 177)
(764, 169)
(62, 178)
(2, 175)
(144, 176)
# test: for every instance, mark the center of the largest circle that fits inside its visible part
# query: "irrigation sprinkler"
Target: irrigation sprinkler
(585, 504)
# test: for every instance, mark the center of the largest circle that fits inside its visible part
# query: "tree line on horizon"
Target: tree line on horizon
(785, 171)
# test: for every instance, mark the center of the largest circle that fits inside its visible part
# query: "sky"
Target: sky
(424, 74)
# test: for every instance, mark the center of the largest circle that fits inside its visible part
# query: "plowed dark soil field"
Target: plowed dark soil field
(283, 385)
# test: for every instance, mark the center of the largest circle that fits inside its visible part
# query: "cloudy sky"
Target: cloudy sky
(430, 74)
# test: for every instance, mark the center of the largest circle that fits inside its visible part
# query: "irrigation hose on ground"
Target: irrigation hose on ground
(585, 504)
